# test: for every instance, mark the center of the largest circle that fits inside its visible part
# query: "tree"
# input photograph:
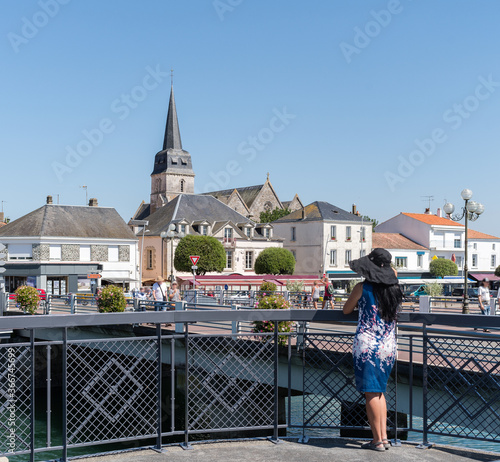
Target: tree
(373, 222)
(275, 260)
(209, 249)
(269, 216)
(441, 267)
(497, 271)
(111, 299)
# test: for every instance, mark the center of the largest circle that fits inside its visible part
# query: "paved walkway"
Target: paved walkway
(317, 450)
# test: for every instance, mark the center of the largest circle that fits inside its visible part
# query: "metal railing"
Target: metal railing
(112, 378)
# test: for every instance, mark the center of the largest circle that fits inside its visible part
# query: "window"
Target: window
(229, 259)
(347, 257)
(182, 229)
(112, 253)
(248, 260)
(333, 258)
(459, 262)
(20, 252)
(182, 185)
(203, 230)
(457, 243)
(333, 232)
(248, 232)
(85, 253)
(493, 261)
(150, 259)
(474, 246)
(347, 233)
(474, 260)
(362, 233)
(492, 246)
(228, 234)
(420, 261)
(362, 253)
(401, 262)
(54, 252)
(267, 233)
(293, 237)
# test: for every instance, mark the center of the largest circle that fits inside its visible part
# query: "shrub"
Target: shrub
(111, 299)
(273, 302)
(440, 267)
(209, 249)
(276, 214)
(434, 289)
(28, 299)
(275, 260)
(268, 286)
(294, 286)
(497, 271)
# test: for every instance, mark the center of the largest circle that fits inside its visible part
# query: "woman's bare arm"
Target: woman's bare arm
(352, 301)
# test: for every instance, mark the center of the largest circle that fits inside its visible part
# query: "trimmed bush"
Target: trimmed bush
(111, 299)
(272, 302)
(28, 299)
(211, 252)
(275, 260)
(440, 267)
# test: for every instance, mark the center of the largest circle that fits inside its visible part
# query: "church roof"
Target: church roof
(247, 193)
(318, 211)
(69, 221)
(172, 138)
(192, 208)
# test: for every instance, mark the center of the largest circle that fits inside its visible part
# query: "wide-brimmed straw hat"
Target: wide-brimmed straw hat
(375, 267)
(159, 279)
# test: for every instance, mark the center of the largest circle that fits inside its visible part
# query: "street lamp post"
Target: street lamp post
(171, 234)
(470, 211)
(142, 223)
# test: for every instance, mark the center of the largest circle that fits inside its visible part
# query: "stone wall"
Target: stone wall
(70, 252)
(266, 200)
(41, 252)
(99, 252)
(123, 253)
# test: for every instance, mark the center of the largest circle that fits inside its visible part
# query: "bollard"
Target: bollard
(72, 303)
(179, 326)
(424, 304)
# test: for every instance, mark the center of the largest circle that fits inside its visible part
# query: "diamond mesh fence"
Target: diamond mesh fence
(230, 383)
(112, 390)
(330, 398)
(15, 398)
(463, 390)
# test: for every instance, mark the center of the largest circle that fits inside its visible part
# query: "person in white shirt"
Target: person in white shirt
(484, 298)
(159, 292)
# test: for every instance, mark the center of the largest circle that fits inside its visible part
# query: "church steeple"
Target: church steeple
(172, 138)
(172, 172)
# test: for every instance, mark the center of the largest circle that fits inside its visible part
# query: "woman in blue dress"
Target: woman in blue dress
(374, 347)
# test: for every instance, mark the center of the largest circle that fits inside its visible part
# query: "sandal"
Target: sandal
(379, 446)
(387, 444)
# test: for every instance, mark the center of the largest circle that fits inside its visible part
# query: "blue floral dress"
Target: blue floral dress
(374, 348)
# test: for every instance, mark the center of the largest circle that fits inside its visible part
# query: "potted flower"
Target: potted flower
(28, 299)
(272, 302)
(111, 299)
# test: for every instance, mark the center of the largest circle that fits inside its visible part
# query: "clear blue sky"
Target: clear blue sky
(359, 85)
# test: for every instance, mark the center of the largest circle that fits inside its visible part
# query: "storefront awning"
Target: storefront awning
(481, 276)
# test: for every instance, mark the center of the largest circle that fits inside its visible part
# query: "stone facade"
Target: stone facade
(123, 253)
(70, 252)
(237, 204)
(41, 252)
(99, 252)
(266, 200)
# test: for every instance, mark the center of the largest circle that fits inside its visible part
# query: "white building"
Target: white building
(445, 238)
(324, 239)
(57, 247)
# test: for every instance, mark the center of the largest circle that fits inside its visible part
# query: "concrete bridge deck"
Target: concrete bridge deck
(317, 450)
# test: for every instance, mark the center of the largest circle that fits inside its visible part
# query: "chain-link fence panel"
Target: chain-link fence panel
(230, 383)
(463, 387)
(15, 398)
(330, 398)
(112, 390)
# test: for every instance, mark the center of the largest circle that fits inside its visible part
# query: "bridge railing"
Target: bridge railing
(118, 378)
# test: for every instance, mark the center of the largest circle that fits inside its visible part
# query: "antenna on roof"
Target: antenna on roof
(429, 199)
(171, 77)
(3, 202)
(86, 194)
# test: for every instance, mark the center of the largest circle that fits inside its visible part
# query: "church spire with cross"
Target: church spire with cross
(173, 171)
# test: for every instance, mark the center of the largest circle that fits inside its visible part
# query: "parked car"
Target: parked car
(41, 293)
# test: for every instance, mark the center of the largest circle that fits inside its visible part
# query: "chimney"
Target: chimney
(439, 212)
(2, 217)
(354, 211)
(49, 200)
(303, 213)
(93, 202)
(427, 211)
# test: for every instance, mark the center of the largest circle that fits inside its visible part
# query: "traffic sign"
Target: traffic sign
(194, 259)
(93, 276)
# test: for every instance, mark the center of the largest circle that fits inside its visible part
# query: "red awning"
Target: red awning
(481, 276)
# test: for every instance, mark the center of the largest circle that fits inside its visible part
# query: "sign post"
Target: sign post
(3, 255)
(194, 260)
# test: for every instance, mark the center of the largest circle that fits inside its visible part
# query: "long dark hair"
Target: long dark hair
(389, 298)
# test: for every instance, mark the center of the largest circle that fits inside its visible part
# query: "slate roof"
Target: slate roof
(320, 211)
(172, 138)
(394, 241)
(192, 208)
(69, 221)
(247, 193)
(432, 219)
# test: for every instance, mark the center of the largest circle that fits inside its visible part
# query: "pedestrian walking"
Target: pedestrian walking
(159, 293)
(315, 294)
(374, 348)
(328, 295)
(484, 298)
